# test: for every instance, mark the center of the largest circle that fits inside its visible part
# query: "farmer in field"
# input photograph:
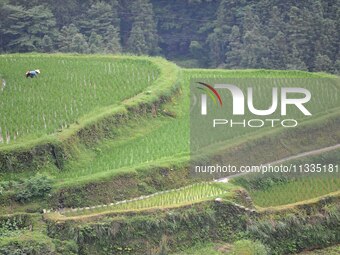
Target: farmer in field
(32, 74)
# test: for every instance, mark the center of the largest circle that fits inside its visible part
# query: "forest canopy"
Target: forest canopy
(271, 34)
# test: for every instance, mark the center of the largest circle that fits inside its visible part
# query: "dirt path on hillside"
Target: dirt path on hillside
(300, 155)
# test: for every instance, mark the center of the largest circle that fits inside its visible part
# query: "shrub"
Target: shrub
(247, 247)
(8, 228)
(292, 233)
(66, 247)
(35, 187)
(29, 247)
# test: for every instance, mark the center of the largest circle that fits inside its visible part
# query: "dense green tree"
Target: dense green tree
(42, 23)
(278, 51)
(196, 49)
(218, 40)
(12, 27)
(145, 25)
(96, 43)
(294, 61)
(327, 42)
(198, 52)
(313, 20)
(112, 40)
(255, 48)
(297, 38)
(98, 18)
(64, 11)
(323, 63)
(79, 44)
(66, 36)
(25, 28)
(225, 33)
(137, 43)
(235, 51)
(278, 43)
(337, 66)
(2, 21)
(47, 44)
(276, 23)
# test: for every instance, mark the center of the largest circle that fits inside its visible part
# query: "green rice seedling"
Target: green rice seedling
(167, 139)
(185, 195)
(275, 189)
(67, 88)
(33, 107)
(303, 188)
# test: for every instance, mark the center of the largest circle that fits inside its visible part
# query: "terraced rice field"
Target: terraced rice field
(68, 88)
(275, 189)
(166, 139)
(186, 195)
(295, 191)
